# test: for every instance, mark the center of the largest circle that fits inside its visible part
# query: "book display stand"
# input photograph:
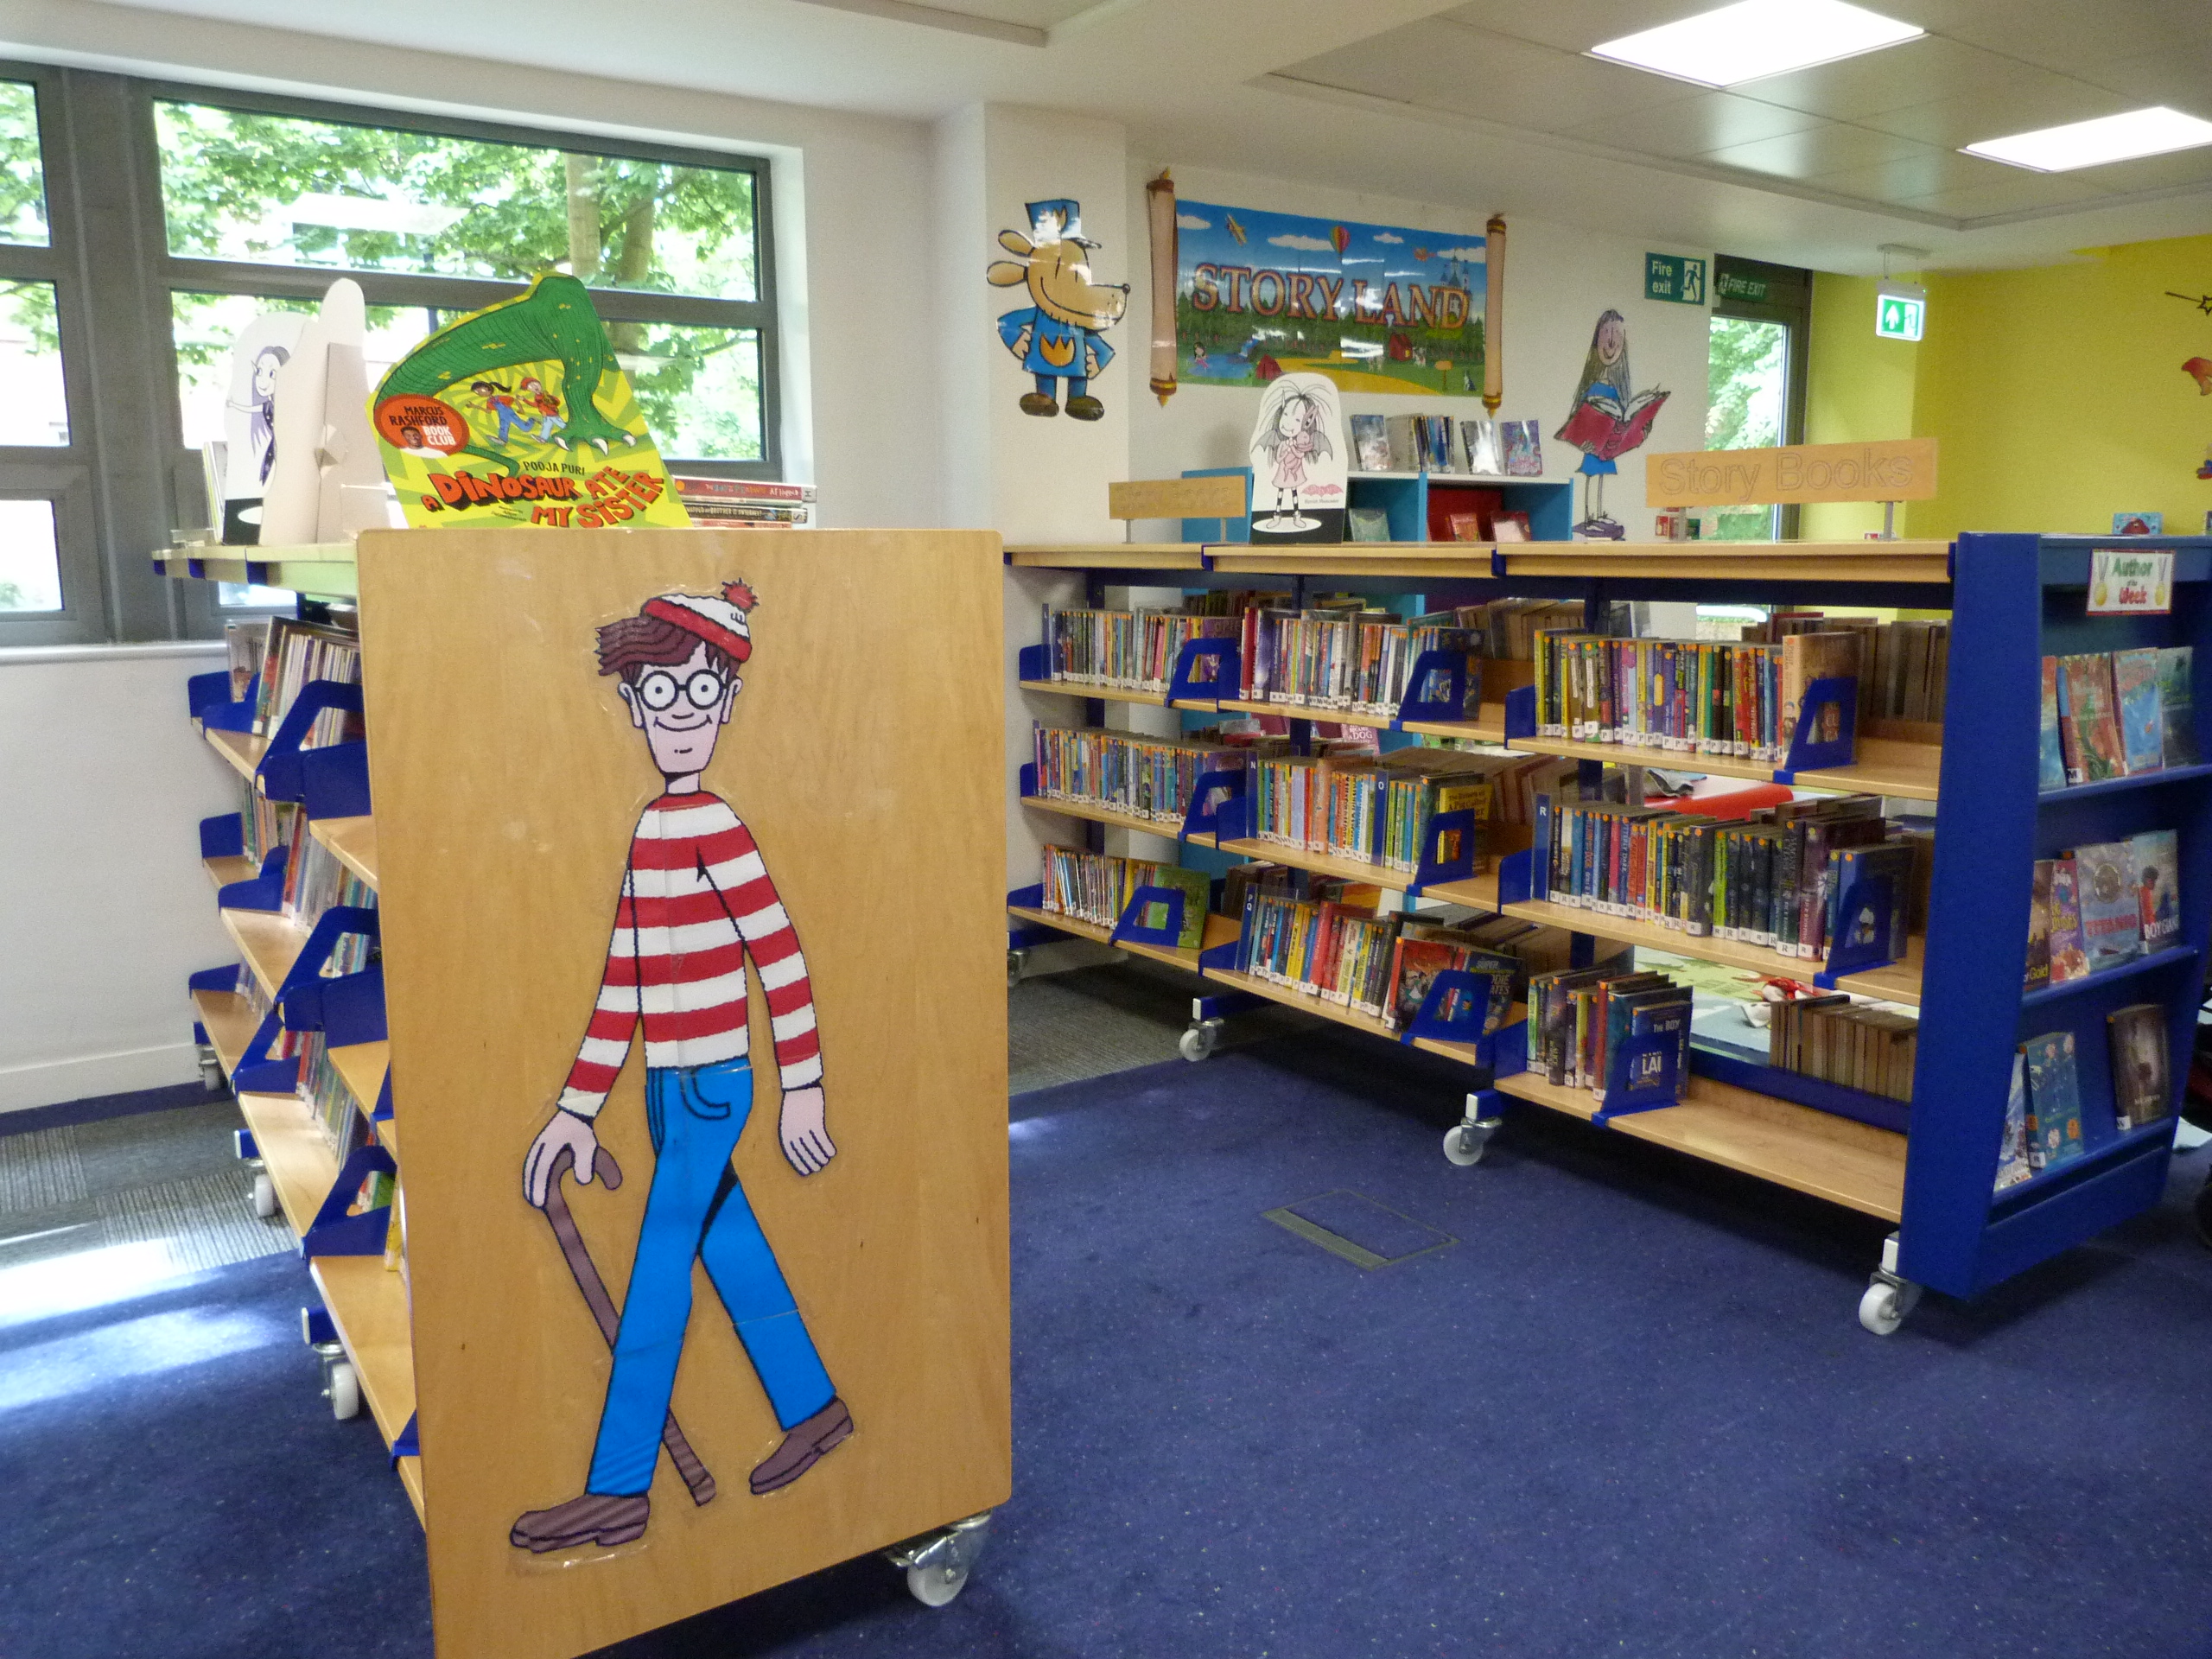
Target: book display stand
(1929, 1165)
(500, 880)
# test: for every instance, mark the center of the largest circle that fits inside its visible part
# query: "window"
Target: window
(1754, 378)
(198, 209)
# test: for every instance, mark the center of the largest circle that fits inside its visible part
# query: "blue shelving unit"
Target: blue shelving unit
(1407, 498)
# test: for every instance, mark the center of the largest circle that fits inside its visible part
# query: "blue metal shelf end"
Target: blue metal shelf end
(1131, 928)
(208, 697)
(282, 774)
(333, 1231)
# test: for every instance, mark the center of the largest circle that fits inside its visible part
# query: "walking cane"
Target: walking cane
(602, 1306)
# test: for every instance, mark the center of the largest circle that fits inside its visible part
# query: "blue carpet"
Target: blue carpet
(1630, 1412)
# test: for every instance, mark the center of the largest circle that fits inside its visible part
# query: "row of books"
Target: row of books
(1125, 650)
(323, 884)
(2115, 714)
(2043, 1114)
(1435, 443)
(1096, 887)
(344, 1119)
(1903, 666)
(1837, 1040)
(313, 879)
(1372, 808)
(1579, 1019)
(2095, 907)
(1776, 880)
(1337, 655)
(1146, 777)
(1686, 695)
(294, 655)
(744, 502)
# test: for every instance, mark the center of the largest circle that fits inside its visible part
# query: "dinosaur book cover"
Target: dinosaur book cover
(519, 415)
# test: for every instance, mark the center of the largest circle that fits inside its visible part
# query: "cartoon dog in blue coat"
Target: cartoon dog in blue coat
(1057, 338)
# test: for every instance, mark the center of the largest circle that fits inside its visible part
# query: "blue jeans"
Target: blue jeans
(1078, 385)
(697, 1210)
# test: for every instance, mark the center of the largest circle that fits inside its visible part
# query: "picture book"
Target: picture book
(2053, 775)
(1405, 443)
(2112, 930)
(2154, 864)
(1367, 523)
(2085, 707)
(2067, 959)
(1465, 526)
(1807, 658)
(2138, 523)
(2142, 1086)
(1370, 444)
(2012, 1156)
(2177, 715)
(1197, 891)
(2054, 1101)
(1510, 527)
(2039, 926)
(2135, 689)
(1523, 443)
(1479, 438)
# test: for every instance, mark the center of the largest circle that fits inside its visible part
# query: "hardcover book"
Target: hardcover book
(2112, 928)
(1370, 443)
(2135, 688)
(2013, 1165)
(2054, 1101)
(1367, 523)
(2054, 753)
(2142, 1088)
(2153, 862)
(2177, 716)
(2039, 926)
(1807, 658)
(2086, 690)
(2067, 959)
(1523, 441)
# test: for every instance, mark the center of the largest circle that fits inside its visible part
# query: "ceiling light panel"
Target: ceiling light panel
(1756, 38)
(2093, 143)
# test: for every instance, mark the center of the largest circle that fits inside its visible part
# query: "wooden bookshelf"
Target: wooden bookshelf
(1219, 930)
(221, 871)
(1884, 767)
(268, 942)
(1833, 1158)
(300, 1162)
(368, 1305)
(362, 1066)
(241, 750)
(1109, 555)
(1108, 815)
(228, 1019)
(1897, 982)
(1841, 563)
(352, 841)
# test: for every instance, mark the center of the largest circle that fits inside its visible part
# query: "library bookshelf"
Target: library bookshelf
(1928, 1167)
(484, 1334)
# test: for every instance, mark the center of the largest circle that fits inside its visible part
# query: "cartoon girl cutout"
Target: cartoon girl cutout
(262, 405)
(1293, 430)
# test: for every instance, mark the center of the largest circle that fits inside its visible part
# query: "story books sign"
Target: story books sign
(1373, 307)
(1901, 469)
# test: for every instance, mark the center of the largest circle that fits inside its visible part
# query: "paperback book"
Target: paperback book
(2013, 1165)
(2054, 1101)
(2088, 724)
(2112, 928)
(2068, 958)
(2142, 1086)
(2135, 689)
(2052, 774)
(2154, 860)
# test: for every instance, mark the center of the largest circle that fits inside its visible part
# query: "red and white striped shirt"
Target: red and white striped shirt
(696, 897)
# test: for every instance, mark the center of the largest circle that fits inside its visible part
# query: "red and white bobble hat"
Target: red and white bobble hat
(718, 620)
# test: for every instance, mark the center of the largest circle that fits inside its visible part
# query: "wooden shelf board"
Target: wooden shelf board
(241, 749)
(269, 941)
(362, 1066)
(410, 1477)
(1897, 982)
(228, 1018)
(1105, 814)
(223, 871)
(1219, 930)
(1831, 561)
(1102, 693)
(1884, 766)
(1109, 555)
(299, 1161)
(1488, 728)
(1454, 561)
(1334, 1012)
(368, 1305)
(352, 841)
(324, 568)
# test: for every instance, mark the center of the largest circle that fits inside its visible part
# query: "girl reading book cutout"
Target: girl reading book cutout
(1607, 421)
(1295, 457)
(696, 899)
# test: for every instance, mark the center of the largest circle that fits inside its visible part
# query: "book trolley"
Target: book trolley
(1928, 1167)
(489, 809)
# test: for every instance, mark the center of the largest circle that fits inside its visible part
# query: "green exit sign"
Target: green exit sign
(1673, 277)
(1900, 311)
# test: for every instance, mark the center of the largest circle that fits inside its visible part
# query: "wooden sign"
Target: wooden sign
(692, 854)
(1900, 469)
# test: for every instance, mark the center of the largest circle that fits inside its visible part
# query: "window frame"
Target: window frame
(125, 477)
(1789, 303)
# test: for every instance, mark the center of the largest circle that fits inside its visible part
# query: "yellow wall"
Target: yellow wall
(1858, 388)
(2058, 392)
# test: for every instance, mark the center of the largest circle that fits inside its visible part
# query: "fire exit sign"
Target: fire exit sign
(1900, 311)
(1673, 277)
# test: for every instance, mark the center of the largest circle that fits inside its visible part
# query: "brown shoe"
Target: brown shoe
(1036, 403)
(1085, 408)
(594, 1518)
(803, 1447)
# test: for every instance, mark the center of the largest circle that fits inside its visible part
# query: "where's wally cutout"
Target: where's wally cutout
(1298, 466)
(520, 415)
(262, 347)
(696, 897)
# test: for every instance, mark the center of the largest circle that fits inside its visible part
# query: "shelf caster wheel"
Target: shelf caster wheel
(1016, 961)
(341, 1383)
(939, 1564)
(264, 1195)
(211, 1071)
(1200, 1041)
(1464, 1143)
(1885, 1304)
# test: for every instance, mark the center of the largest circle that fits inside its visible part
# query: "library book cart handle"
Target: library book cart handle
(602, 1304)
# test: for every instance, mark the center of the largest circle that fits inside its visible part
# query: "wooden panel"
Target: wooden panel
(243, 752)
(1897, 469)
(1898, 983)
(1464, 561)
(1103, 693)
(352, 841)
(410, 1477)
(228, 1019)
(866, 754)
(362, 1066)
(1105, 814)
(269, 942)
(368, 1304)
(301, 1163)
(1220, 496)
(1110, 556)
(1829, 561)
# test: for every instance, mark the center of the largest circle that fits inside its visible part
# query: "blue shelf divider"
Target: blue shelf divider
(1130, 929)
(208, 697)
(281, 766)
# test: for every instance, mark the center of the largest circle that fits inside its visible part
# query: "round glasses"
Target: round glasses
(705, 690)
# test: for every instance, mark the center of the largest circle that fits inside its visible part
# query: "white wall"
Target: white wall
(104, 907)
(1558, 280)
